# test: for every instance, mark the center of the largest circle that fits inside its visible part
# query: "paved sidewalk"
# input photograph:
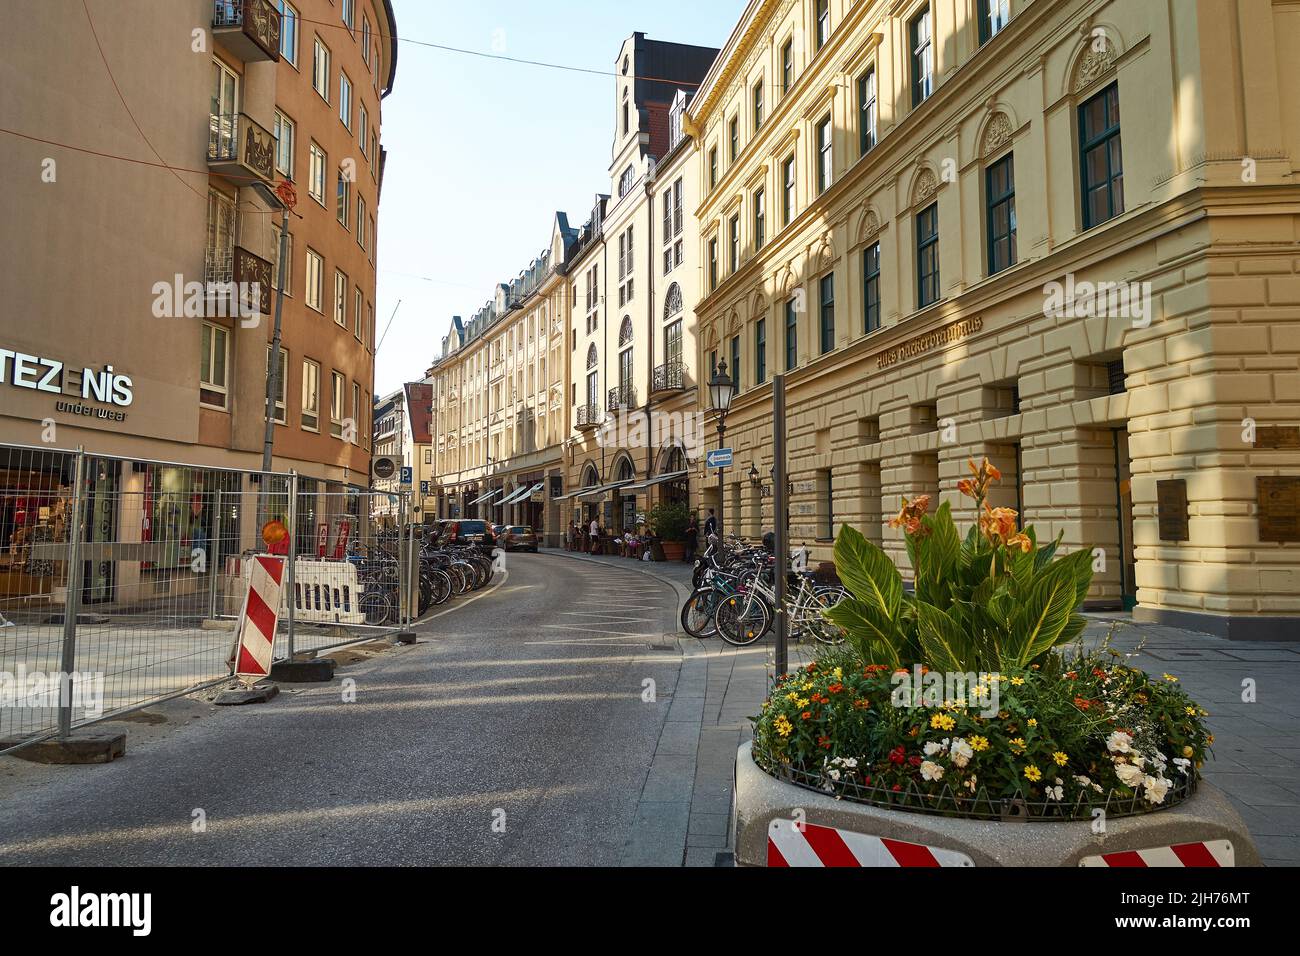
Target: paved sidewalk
(1256, 750)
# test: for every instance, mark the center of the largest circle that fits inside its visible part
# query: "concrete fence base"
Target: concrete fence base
(762, 799)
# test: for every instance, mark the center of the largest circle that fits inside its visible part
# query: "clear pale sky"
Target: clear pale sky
(482, 152)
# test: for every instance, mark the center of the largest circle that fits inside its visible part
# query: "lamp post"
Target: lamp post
(721, 393)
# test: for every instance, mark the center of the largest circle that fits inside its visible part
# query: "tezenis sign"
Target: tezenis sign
(55, 377)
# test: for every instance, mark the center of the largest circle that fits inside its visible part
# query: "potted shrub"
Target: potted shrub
(669, 521)
(957, 699)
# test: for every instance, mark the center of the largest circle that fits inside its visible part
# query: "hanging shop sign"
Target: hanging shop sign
(84, 385)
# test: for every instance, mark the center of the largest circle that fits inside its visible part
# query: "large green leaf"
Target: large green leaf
(871, 634)
(868, 572)
(1046, 612)
(937, 557)
(944, 645)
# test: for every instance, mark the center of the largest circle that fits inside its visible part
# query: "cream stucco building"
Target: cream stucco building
(1060, 234)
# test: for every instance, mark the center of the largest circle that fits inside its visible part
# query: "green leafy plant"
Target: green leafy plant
(993, 601)
(670, 519)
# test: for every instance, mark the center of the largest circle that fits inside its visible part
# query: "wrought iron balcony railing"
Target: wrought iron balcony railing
(668, 377)
(250, 28)
(588, 416)
(621, 396)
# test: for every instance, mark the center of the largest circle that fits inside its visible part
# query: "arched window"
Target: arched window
(625, 470)
(673, 301)
(591, 357)
(625, 331)
(589, 478)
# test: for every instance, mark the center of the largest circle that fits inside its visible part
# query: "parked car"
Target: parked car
(467, 531)
(518, 537)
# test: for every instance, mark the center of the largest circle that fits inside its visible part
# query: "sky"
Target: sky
(482, 152)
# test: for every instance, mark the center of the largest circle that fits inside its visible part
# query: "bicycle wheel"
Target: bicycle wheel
(697, 612)
(741, 619)
(819, 626)
(441, 581)
(376, 606)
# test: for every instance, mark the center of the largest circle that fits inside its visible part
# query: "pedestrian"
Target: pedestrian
(692, 537)
(710, 524)
(594, 531)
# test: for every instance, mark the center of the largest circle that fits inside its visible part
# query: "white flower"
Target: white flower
(833, 774)
(1118, 742)
(1054, 793)
(1082, 781)
(1156, 788)
(932, 748)
(1129, 775)
(970, 783)
(1182, 763)
(931, 770)
(961, 752)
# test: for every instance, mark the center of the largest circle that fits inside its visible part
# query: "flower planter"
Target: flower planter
(765, 804)
(674, 550)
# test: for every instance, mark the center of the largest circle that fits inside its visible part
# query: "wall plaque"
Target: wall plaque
(1277, 436)
(1171, 504)
(1277, 499)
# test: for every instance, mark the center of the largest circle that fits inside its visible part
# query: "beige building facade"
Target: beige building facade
(1062, 235)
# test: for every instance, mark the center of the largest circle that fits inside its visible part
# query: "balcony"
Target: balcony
(669, 377)
(250, 29)
(621, 396)
(240, 148)
(588, 416)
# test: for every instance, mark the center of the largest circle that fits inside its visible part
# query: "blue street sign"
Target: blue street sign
(424, 487)
(718, 458)
(406, 474)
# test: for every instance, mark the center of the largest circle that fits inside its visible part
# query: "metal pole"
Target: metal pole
(72, 602)
(274, 372)
(216, 557)
(293, 552)
(722, 439)
(412, 558)
(782, 532)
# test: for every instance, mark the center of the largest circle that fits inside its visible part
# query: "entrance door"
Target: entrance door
(1124, 502)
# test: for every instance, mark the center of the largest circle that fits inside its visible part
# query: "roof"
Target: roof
(419, 411)
(392, 47)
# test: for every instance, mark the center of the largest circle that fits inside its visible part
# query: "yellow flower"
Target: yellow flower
(1018, 743)
(1188, 751)
(978, 743)
(783, 726)
(807, 685)
(1061, 758)
(792, 696)
(942, 722)
(1190, 711)
(1170, 677)
(838, 673)
(1017, 681)
(801, 702)
(1033, 774)
(1033, 722)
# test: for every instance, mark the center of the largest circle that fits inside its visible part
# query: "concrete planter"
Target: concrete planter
(761, 799)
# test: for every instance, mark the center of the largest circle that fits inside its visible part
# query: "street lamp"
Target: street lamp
(721, 393)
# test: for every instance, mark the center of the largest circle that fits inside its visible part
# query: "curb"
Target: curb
(675, 585)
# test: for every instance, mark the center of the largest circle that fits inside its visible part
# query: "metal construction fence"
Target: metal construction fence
(122, 580)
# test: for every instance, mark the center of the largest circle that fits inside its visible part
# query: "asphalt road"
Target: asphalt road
(514, 732)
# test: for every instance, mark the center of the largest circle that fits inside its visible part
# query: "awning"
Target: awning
(603, 489)
(573, 494)
(518, 494)
(657, 480)
(494, 491)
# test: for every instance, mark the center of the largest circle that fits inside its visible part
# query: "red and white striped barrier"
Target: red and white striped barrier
(1209, 853)
(792, 843)
(258, 620)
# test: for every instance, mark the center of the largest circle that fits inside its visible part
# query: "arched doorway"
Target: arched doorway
(624, 516)
(672, 461)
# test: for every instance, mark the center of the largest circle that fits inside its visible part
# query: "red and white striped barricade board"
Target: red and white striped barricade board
(258, 619)
(1206, 853)
(795, 843)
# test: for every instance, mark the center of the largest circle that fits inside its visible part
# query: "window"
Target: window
(760, 351)
(758, 105)
(310, 395)
(733, 244)
(338, 388)
(735, 364)
(288, 31)
(787, 66)
(713, 264)
(824, 168)
(342, 199)
(320, 69)
(212, 366)
(1100, 157)
(361, 221)
(340, 299)
(363, 127)
(713, 167)
(625, 112)
(823, 32)
(283, 389)
(348, 10)
(791, 334)
(356, 422)
(866, 111)
(733, 137)
(922, 57)
(345, 100)
(760, 218)
(370, 325)
(365, 39)
(1000, 193)
(219, 255)
(927, 256)
(284, 145)
(357, 299)
(316, 173)
(826, 301)
(871, 288)
(828, 504)
(787, 191)
(315, 275)
(993, 16)
(677, 210)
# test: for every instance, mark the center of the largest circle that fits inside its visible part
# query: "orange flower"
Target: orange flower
(909, 517)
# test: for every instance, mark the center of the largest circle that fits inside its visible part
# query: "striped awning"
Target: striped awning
(657, 480)
(480, 498)
(518, 494)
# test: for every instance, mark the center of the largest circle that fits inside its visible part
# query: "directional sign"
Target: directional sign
(424, 487)
(718, 458)
(406, 474)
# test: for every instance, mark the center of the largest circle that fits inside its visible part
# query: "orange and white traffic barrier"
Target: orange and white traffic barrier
(1205, 853)
(795, 843)
(258, 620)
